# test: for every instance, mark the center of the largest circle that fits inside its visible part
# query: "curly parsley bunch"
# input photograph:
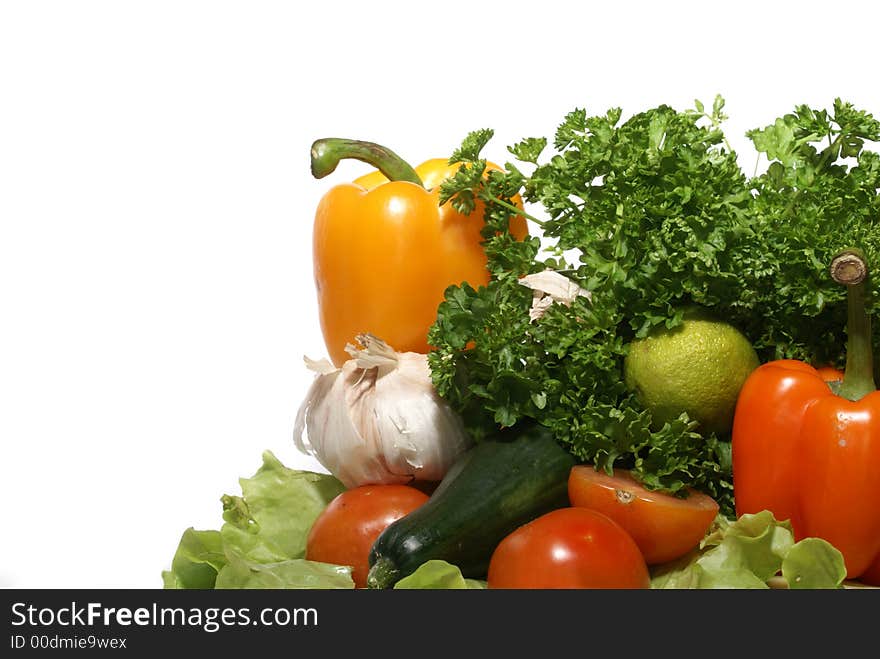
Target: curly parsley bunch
(661, 217)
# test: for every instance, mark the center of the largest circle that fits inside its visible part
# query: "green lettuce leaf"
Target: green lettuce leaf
(437, 574)
(263, 540)
(757, 542)
(684, 573)
(198, 559)
(750, 553)
(293, 573)
(727, 566)
(271, 521)
(813, 563)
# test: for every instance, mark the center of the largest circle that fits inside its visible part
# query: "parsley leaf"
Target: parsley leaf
(472, 145)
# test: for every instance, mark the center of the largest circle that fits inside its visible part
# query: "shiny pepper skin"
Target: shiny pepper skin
(385, 252)
(810, 456)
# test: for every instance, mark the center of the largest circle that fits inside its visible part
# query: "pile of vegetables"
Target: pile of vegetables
(476, 421)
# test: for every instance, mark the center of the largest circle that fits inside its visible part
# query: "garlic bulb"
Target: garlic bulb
(378, 419)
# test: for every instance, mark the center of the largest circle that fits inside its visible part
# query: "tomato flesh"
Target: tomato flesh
(346, 529)
(664, 526)
(568, 548)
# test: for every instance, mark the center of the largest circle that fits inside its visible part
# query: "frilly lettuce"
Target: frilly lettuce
(198, 559)
(263, 540)
(755, 551)
(436, 574)
(292, 573)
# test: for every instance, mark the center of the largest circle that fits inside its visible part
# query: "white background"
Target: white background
(156, 295)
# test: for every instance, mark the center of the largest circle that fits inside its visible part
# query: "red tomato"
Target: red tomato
(568, 548)
(664, 526)
(347, 528)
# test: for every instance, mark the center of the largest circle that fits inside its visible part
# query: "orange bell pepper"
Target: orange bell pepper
(385, 249)
(808, 449)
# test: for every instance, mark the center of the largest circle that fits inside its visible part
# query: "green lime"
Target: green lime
(698, 367)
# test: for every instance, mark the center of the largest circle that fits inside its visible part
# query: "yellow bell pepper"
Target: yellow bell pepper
(385, 250)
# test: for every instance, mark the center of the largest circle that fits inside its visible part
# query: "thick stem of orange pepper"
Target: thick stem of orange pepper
(810, 454)
(385, 250)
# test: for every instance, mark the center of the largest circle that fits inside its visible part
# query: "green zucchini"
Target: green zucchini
(494, 488)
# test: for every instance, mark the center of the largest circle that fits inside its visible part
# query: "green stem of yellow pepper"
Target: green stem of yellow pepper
(329, 151)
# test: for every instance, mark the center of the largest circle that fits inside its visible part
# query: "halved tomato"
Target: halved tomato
(664, 526)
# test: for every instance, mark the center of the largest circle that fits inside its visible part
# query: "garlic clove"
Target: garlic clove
(420, 433)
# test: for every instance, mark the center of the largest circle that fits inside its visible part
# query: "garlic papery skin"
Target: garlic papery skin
(548, 287)
(378, 418)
